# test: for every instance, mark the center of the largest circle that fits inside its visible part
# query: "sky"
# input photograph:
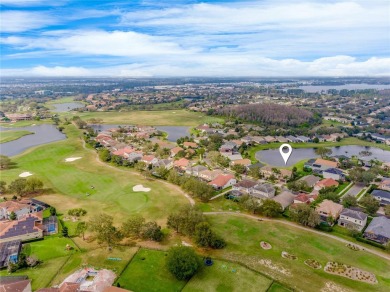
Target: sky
(136, 38)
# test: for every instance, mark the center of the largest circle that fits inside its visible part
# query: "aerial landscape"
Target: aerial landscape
(194, 146)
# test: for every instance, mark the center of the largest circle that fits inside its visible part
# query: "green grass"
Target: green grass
(113, 192)
(61, 100)
(41, 275)
(225, 276)
(6, 136)
(147, 272)
(244, 235)
(25, 123)
(344, 142)
(276, 287)
(154, 118)
(49, 248)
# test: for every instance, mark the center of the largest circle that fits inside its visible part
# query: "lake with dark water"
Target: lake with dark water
(68, 106)
(273, 157)
(42, 134)
(174, 132)
(319, 88)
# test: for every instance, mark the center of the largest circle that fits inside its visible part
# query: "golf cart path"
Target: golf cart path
(177, 188)
(378, 253)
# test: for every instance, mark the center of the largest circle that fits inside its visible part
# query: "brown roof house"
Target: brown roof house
(223, 181)
(329, 210)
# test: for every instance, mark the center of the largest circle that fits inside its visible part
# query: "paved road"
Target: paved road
(375, 252)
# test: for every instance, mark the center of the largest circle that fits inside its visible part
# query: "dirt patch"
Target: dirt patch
(265, 245)
(332, 287)
(313, 264)
(141, 188)
(289, 256)
(25, 174)
(350, 272)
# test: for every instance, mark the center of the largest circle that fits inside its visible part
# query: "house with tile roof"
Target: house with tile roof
(328, 208)
(244, 186)
(285, 199)
(352, 219)
(190, 145)
(15, 284)
(176, 150)
(209, 175)
(181, 164)
(223, 181)
(263, 191)
(378, 230)
(326, 183)
(311, 180)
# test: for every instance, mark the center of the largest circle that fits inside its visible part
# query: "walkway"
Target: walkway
(378, 253)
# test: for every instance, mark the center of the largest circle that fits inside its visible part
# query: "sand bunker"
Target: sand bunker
(70, 159)
(25, 174)
(140, 188)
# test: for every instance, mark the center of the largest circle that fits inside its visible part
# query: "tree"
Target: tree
(105, 155)
(132, 227)
(151, 231)
(182, 262)
(53, 211)
(33, 184)
(349, 201)
(239, 168)
(270, 208)
(387, 210)
(81, 228)
(304, 215)
(249, 203)
(316, 140)
(77, 212)
(205, 237)
(3, 187)
(314, 218)
(65, 231)
(18, 186)
(322, 151)
(13, 216)
(371, 204)
(185, 220)
(5, 162)
(106, 232)
(255, 172)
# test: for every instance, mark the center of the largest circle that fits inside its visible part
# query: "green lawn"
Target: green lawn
(244, 235)
(147, 272)
(49, 248)
(224, 276)
(276, 287)
(154, 118)
(6, 136)
(113, 188)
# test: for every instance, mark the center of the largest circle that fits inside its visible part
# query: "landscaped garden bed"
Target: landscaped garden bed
(313, 264)
(353, 247)
(350, 272)
(265, 245)
(286, 255)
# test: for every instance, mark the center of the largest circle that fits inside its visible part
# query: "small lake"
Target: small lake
(273, 157)
(319, 88)
(68, 106)
(43, 134)
(174, 132)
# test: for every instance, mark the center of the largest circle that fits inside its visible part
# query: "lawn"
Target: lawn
(243, 236)
(154, 118)
(276, 287)
(147, 272)
(49, 248)
(41, 275)
(6, 136)
(71, 181)
(225, 276)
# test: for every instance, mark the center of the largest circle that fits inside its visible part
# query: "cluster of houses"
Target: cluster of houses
(22, 221)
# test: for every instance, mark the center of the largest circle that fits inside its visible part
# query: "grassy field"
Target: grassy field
(49, 248)
(113, 188)
(147, 272)
(244, 235)
(153, 118)
(344, 142)
(225, 276)
(6, 136)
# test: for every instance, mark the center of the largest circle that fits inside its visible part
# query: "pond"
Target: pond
(273, 157)
(68, 106)
(174, 132)
(42, 134)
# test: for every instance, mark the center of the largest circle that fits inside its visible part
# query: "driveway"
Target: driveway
(354, 191)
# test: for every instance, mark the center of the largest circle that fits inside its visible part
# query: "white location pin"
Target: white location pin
(285, 155)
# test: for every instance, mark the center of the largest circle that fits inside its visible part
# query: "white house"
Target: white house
(352, 219)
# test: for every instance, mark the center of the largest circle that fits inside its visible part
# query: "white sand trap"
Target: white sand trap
(70, 159)
(141, 188)
(25, 174)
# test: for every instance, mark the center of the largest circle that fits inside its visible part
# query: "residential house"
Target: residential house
(245, 162)
(134, 156)
(324, 164)
(181, 164)
(263, 191)
(352, 219)
(149, 159)
(9, 252)
(229, 147)
(378, 230)
(329, 209)
(175, 151)
(285, 199)
(267, 171)
(292, 139)
(210, 175)
(385, 184)
(15, 284)
(311, 180)
(334, 173)
(195, 170)
(223, 181)
(190, 145)
(269, 139)
(281, 139)
(285, 174)
(303, 198)
(259, 140)
(303, 139)
(20, 208)
(244, 186)
(232, 157)
(166, 163)
(248, 140)
(382, 196)
(326, 183)
(26, 228)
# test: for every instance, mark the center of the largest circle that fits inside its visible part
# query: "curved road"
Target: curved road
(375, 252)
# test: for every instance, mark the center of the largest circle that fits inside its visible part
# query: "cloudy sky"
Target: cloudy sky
(195, 38)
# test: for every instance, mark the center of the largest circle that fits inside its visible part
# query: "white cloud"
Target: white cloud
(218, 66)
(19, 21)
(32, 2)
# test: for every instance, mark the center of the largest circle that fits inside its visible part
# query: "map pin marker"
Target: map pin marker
(285, 155)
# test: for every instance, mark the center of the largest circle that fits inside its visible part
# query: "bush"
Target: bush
(183, 262)
(362, 239)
